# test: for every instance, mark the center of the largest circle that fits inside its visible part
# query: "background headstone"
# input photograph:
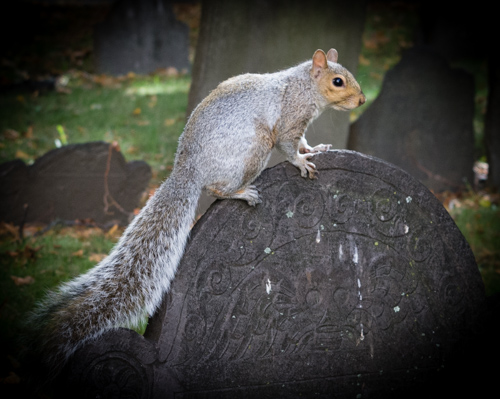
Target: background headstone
(422, 121)
(141, 37)
(358, 284)
(492, 125)
(79, 181)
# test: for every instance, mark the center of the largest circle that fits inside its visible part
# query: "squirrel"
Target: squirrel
(225, 145)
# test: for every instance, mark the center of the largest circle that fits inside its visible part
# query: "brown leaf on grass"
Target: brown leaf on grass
(97, 257)
(363, 60)
(9, 228)
(22, 155)
(112, 231)
(78, 253)
(107, 81)
(132, 150)
(11, 134)
(136, 111)
(19, 281)
(153, 101)
(30, 252)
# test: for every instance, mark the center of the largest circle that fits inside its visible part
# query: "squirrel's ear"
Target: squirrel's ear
(319, 62)
(332, 55)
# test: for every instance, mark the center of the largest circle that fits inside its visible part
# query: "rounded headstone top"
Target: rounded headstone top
(358, 273)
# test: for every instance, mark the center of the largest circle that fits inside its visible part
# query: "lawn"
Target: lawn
(145, 115)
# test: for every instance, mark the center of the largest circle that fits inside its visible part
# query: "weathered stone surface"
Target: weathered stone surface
(358, 284)
(73, 182)
(141, 36)
(422, 121)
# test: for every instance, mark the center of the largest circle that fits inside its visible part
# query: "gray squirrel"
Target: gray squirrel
(225, 145)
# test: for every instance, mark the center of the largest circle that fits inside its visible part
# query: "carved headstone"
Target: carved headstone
(358, 284)
(79, 181)
(141, 37)
(422, 121)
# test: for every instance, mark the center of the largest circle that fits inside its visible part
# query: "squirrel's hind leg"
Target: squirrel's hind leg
(248, 193)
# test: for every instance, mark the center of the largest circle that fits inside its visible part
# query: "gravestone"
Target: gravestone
(141, 37)
(89, 181)
(422, 121)
(355, 285)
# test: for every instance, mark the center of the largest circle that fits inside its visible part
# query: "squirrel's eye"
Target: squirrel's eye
(338, 82)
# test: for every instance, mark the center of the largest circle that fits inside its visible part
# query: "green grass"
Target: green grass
(480, 225)
(145, 115)
(46, 261)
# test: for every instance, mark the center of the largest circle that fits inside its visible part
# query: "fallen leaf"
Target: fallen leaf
(30, 252)
(136, 111)
(363, 60)
(169, 122)
(112, 230)
(22, 280)
(78, 253)
(143, 123)
(11, 134)
(63, 90)
(132, 150)
(22, 155)
(97, 257)
(153, 101)
(9, 228)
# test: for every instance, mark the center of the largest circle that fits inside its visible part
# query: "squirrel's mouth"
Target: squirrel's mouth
(342, 107)
(350, 103)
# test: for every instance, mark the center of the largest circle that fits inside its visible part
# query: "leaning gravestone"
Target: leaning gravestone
(141, 37)
(78, 181)
(355, 285)
(422, 121)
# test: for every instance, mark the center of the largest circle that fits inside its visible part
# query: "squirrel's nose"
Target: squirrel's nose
(362, 99)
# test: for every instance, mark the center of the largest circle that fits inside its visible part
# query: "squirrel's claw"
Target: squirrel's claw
(251, 195)
(307, 169)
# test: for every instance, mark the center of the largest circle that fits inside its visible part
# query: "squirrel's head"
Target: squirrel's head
(335, 83)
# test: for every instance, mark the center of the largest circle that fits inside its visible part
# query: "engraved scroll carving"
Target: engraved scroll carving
(325, 287)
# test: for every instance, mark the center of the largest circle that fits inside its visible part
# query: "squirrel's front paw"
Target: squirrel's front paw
(315, 149)
(322, 148)
(306, 168)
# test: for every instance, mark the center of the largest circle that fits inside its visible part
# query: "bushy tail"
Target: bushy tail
(125, 286)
